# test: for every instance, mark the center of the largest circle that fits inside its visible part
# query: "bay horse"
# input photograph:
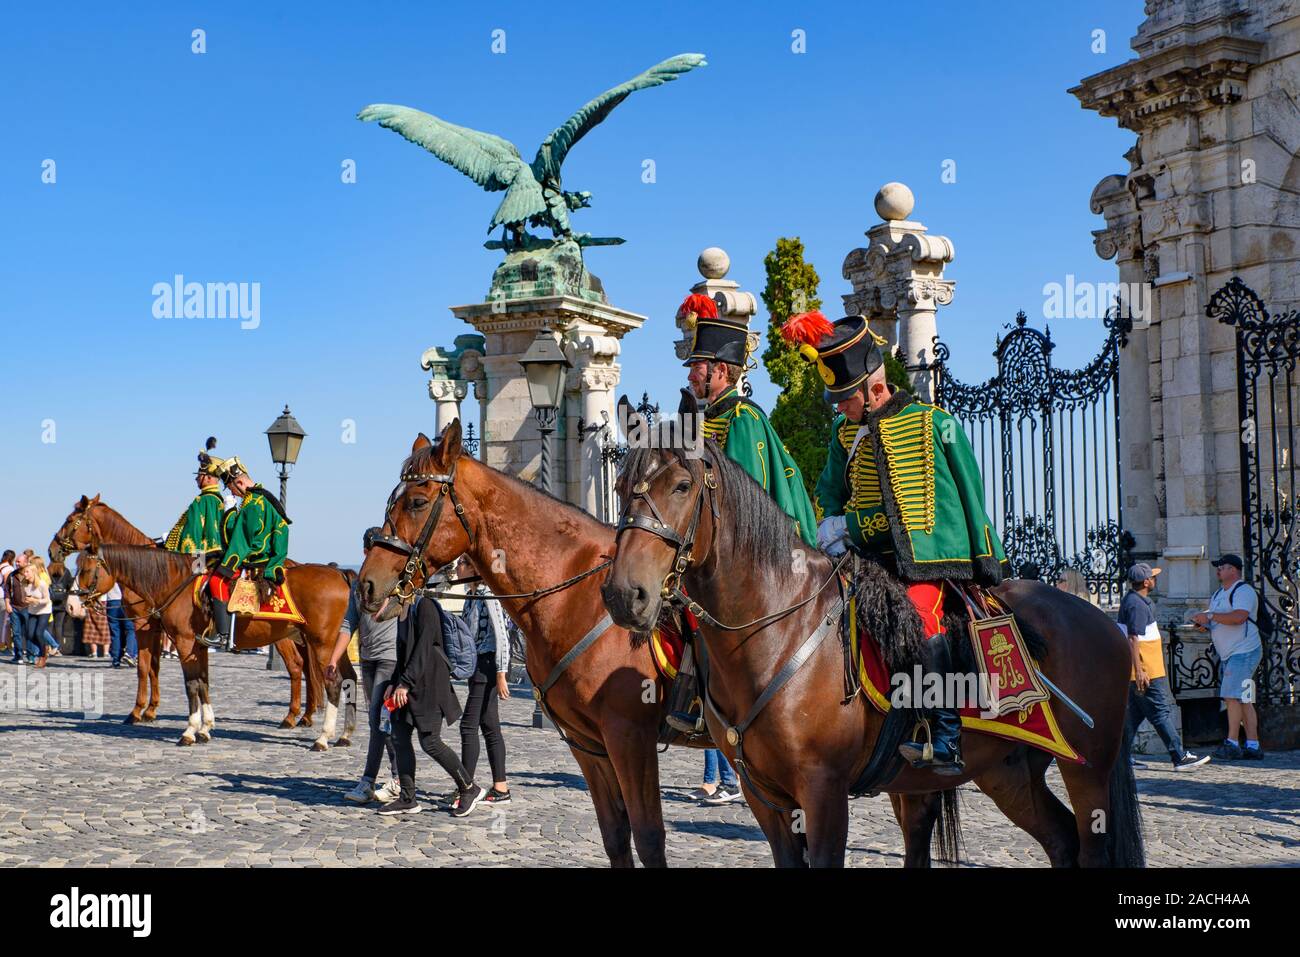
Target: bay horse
(93, 522)
(165, 582)
(738, 557)
(609, 703)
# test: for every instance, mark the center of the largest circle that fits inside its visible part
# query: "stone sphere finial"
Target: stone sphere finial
(713, 263)
(894, 202)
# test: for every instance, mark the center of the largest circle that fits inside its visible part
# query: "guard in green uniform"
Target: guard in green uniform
(900, 481)
(257, 540)
(716, 361)
(198, 530)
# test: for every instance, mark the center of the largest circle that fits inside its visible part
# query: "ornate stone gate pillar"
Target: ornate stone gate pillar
(898, 283)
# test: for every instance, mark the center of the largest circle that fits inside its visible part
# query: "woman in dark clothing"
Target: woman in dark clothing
(61, 583)
(422, 692)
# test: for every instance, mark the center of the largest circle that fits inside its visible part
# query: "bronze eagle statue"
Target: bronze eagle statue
(535, 195)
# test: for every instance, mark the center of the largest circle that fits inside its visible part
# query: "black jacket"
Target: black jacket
(422, 667)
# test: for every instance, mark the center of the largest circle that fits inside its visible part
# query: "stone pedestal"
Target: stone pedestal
(898, 283)
(590, 332)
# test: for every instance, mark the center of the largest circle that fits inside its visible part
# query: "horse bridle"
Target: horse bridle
(655, 524)
(68, 543)
(404, 589)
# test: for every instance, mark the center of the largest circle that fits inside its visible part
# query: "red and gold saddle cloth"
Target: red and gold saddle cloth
(280, 606)
(1026, 716)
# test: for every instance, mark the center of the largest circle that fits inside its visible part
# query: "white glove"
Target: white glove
(832, 531)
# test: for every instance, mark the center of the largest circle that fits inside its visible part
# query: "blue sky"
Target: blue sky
(225, 166)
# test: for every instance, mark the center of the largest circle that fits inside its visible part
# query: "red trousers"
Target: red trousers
(219, 587)
(928, 599)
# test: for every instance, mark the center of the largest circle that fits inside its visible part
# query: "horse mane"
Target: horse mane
(422, 460)
(761, 532)
(115, 526)
(143, 568)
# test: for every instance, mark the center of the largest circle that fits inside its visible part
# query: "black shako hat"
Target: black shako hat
(845, 352)
(716, 339)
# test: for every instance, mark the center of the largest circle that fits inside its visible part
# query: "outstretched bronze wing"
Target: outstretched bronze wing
(490, 161)
(551, 154)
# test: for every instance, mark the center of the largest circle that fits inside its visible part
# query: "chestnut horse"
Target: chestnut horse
(165, 583)
(610, 702)
(804, 746)
(92, 522)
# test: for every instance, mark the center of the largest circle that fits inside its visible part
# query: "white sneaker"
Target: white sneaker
(389, 792)
(363, 793)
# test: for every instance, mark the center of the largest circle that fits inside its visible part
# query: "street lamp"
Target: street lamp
(544, 366)
(285, 437)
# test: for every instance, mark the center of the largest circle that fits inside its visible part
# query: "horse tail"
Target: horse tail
(1124, 847)
(947, 833)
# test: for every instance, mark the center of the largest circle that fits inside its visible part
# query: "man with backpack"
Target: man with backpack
(1149, 695)
(1234, 621)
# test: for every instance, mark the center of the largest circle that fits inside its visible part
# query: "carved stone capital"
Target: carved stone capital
(448, 390)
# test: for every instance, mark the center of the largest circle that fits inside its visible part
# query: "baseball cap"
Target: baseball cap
(1141, 571)
(1229, 559)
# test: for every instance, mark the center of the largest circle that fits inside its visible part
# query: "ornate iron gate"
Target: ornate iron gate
(612, 453)
(1048, 445)
(1268, 347)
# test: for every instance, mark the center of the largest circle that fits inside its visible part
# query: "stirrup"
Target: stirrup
(924, 756)
(212, 640)
(687, 722)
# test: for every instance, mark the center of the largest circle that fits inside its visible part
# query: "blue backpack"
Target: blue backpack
(458, 645)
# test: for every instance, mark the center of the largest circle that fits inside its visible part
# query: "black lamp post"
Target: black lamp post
(544, 366)
(285, 437)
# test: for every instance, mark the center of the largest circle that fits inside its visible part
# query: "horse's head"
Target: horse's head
(76, 532)
(424, 526)
(93, 577)
(666, 526)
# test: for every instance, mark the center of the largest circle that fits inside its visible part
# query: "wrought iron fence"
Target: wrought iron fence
(1268, 347)
(1048, 444)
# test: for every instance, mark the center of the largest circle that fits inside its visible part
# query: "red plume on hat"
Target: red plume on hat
(697, 306)
(805, 331)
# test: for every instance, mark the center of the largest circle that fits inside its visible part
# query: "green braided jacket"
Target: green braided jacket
(912, 490)
(258, 534)
(198, 530)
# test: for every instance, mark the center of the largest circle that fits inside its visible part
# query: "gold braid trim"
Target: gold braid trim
(864, 482)
(909, 450)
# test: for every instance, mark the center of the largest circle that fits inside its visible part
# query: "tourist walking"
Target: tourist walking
(488, 684)
(422, 700)
(377, 648)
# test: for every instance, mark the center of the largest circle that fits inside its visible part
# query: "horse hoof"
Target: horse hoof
(185, 742)
(148, 718)
(343, 743)
(288, 723)
(318, 746)
(203, 738)
(306, 723)
(131, 719)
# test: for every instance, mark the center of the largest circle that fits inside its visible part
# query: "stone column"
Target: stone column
(447, 393)
(898, 283)
(591, 385)
(447, 385)
(714, 264)
(1141, 465)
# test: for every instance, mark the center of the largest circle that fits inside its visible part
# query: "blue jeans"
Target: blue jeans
(19, 627)
(713, 760)
(1157, 706)
(120, 625)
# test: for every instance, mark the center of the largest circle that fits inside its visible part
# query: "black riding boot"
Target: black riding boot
(945, 722)
(220, 636)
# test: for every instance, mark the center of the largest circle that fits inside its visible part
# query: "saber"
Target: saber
(234, 616)
(1065, 699)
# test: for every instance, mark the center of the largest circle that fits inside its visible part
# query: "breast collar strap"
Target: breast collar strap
(404, 590)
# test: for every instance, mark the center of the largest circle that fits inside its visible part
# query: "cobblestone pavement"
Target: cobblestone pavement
(79, 791)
